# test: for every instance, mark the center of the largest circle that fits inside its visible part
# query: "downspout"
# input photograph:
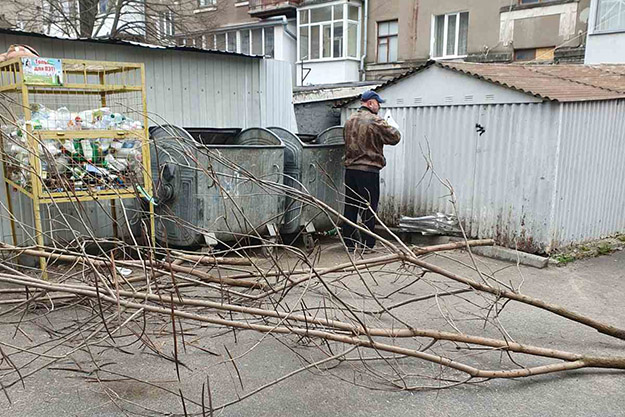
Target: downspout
(285, 24)
(364, 53)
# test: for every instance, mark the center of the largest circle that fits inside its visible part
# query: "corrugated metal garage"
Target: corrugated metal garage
(534, 153)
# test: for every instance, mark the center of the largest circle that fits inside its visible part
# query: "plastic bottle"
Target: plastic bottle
(105, 145)
(117, 120)
(115, 164)
(62, 118)
(87, 149)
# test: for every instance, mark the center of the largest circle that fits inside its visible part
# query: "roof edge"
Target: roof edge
(120, 42)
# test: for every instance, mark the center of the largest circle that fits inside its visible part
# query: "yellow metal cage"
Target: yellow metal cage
(57, 131)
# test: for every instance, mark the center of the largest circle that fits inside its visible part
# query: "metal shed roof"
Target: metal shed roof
(111, 41)
(563, 83)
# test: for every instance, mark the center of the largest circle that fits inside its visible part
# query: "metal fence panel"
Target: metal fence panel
(590, 182)
(503, 179)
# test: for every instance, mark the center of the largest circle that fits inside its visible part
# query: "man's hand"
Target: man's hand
(388, 117)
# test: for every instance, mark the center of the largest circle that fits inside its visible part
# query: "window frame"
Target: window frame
(101, 3)
(596, 30)
(522, 3)
(212, 40)
(166, 24)
(345, 21)
(387, 37)
(201, 4)
(445, 35)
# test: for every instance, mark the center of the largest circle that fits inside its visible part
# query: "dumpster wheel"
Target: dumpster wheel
(309, 242)
(269, 249)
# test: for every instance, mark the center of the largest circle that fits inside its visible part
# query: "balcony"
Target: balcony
(268, 8)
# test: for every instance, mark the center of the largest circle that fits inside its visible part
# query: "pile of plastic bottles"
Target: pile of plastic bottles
(63, 119)
(103, 163)
(75, 164)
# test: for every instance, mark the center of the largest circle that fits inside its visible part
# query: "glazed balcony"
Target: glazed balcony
(268, 8)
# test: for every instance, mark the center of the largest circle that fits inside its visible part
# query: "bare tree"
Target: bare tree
(155, 21)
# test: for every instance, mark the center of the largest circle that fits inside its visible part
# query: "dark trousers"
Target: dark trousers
(362, 193)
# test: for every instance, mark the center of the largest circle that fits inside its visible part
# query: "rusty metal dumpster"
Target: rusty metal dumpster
(317, 168)
(210, 193)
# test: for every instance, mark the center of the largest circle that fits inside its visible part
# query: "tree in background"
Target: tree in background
(155, 21)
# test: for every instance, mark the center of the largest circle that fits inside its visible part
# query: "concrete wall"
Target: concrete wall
(224, 13)
(314, 118)
(329, 72)
(285, 46)
(415, 24)
(496, 27)
(552, 24)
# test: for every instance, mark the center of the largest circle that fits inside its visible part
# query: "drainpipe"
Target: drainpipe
(364, 54)
(285, 23)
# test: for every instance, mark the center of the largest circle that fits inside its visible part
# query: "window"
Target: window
(269, 43)
(328, 32)
(524, 54)
(257, 42)
(103, 6)
(610, 16)
(19, 22)
(231, 41)
(166, 24)
(387, 41)
(220, 41)
(246, 41)
(206, 3)
(535, 54)
(449, 35)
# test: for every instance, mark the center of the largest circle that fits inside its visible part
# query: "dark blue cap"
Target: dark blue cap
(370, 95)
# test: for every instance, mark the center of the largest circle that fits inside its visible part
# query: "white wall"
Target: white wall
(328, 72)
(436, 86)
(603, 48)
(285, 46)
(132, 19)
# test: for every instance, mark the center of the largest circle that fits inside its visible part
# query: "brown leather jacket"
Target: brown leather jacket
(365, 136)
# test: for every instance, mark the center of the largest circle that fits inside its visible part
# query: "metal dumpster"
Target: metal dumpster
(205, 192)
(315, 167)
(331, 136)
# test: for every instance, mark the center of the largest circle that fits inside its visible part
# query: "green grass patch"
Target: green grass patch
(604, 249)
(564, 259)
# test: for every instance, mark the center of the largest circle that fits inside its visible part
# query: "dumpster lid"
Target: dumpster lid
(213, 135)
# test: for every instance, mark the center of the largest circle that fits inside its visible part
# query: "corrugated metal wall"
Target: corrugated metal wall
(191, 89)
(541, 176)
(503, 179)
(590, 198)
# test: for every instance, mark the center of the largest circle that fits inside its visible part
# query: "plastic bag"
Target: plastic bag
(389, 119)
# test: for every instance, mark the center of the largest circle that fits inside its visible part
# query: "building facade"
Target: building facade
(256, 27)
(606, 33)
(347, 41)
(402, 34)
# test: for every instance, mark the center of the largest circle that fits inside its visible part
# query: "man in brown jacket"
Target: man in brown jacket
(366, 133)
